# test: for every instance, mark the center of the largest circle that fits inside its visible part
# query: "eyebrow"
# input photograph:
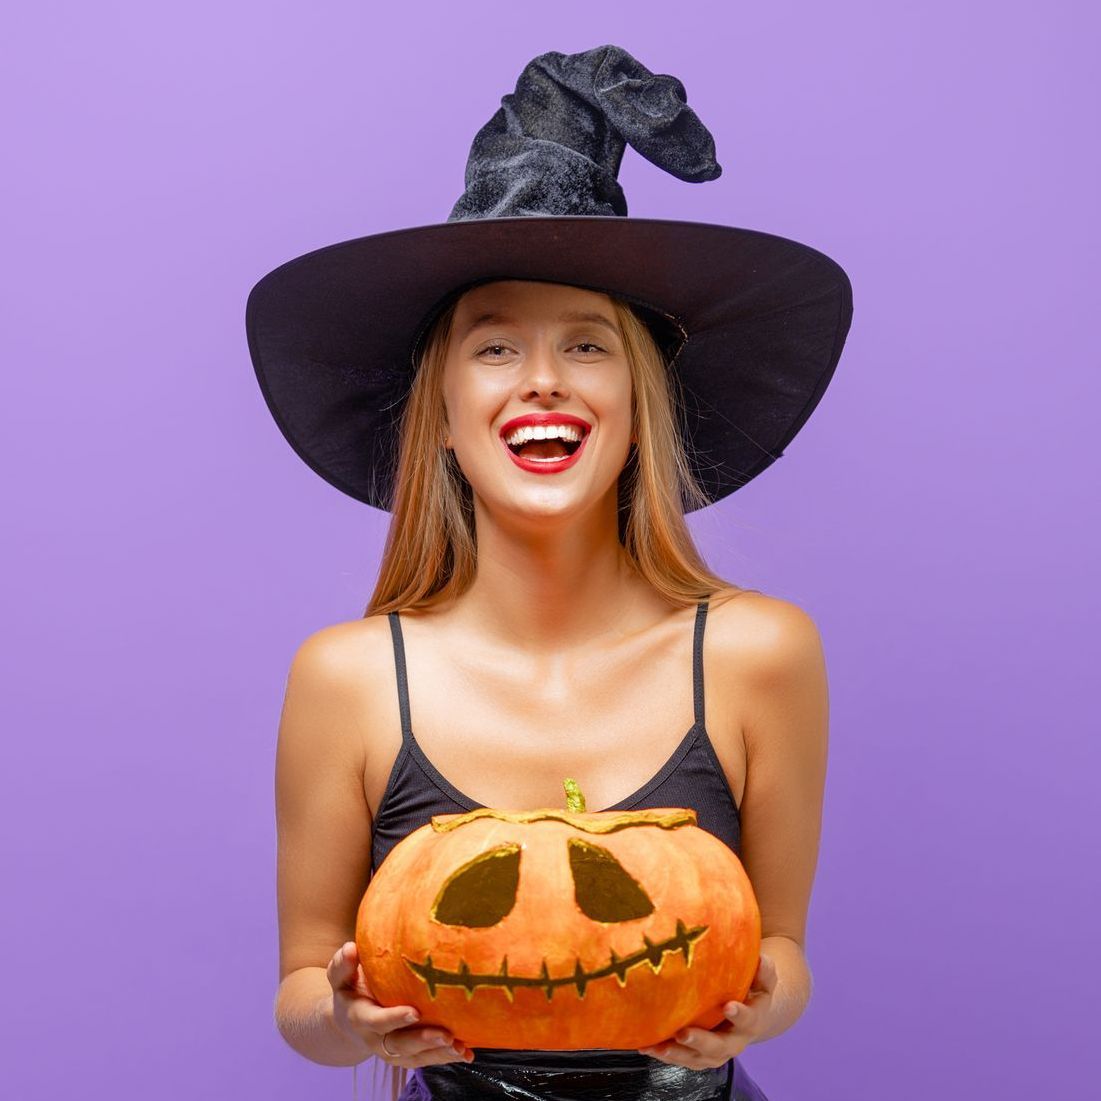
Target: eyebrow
(569, 315)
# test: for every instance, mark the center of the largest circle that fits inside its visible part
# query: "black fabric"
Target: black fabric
(556, 143)
(692, 777)
(561, 1076)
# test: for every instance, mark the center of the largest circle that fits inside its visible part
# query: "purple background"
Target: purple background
(167, 551)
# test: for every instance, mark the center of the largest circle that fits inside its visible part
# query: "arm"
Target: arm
(786, 739)
(324, 841)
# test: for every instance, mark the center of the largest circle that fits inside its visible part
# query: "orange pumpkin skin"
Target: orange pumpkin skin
(546, 975)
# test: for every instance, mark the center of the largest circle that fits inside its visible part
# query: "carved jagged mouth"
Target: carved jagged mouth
(653, 954)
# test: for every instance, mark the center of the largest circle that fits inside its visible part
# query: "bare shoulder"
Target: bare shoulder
(774, 650)
(337, 676)
(348, 652)
(772, 634)
(355, 655)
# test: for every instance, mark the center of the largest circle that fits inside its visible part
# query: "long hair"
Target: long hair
(430, 555)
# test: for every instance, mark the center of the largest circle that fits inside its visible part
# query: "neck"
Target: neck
(554, 584)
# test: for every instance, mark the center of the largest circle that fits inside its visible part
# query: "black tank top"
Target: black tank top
(692, 777)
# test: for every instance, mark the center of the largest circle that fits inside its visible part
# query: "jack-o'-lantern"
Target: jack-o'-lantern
(561, 930)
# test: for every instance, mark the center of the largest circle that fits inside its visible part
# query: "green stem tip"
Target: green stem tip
(575, 801)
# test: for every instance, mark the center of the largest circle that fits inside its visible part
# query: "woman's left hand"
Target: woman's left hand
(702, 1048)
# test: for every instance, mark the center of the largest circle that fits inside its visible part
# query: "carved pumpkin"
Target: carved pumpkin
(561, 930)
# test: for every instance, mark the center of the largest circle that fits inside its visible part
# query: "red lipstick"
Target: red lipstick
(545, 466)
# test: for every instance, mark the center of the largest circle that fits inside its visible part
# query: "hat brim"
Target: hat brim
(332, 333)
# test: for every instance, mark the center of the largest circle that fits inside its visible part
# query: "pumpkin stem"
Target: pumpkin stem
(575, 801)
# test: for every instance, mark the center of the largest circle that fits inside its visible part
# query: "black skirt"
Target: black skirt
(577, 1076)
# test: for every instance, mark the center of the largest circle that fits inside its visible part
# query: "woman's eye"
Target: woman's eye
(589, 344)
(493, 349)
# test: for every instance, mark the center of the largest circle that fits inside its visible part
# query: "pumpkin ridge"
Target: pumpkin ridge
(592, 822)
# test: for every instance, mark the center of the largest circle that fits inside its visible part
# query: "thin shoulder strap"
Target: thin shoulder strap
(403, 683)
(697, 660)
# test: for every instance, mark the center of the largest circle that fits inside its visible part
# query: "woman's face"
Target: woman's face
(538, 359)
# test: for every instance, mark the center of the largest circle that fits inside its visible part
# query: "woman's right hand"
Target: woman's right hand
(357, 1014)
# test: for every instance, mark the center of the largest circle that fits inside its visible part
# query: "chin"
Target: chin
(545, 506)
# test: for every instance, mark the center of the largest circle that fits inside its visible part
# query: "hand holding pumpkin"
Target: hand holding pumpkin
(701, 1048)
(356, 1013)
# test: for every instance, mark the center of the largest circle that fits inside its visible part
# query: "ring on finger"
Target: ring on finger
(392, 1054)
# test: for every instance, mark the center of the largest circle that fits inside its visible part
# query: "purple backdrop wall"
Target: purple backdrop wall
(167, 551)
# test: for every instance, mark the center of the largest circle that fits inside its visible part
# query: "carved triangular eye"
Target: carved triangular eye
(604, 889)
(482, 891)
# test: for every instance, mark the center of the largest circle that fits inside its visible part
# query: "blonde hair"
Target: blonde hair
(430, 555)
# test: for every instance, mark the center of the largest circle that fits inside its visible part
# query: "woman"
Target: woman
(540, 604)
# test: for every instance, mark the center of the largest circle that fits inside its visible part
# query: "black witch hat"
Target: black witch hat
(751, 323)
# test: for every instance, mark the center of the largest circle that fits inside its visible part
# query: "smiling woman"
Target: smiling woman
(638, 474)
(538, 390)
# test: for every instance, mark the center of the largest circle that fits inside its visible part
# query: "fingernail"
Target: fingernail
(411, 1018)
(732, 1009)
(682, 1036)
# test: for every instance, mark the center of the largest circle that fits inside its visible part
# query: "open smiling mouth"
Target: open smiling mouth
(546, 456)
(547, 451)
(653, 954)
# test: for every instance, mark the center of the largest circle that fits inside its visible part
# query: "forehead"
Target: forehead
(521, 300)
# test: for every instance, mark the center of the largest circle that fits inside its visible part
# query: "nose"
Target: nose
(542, 376)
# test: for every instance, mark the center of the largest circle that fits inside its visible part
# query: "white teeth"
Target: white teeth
(543, 432)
